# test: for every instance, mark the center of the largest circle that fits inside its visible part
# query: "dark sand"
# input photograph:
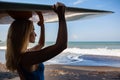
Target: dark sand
(66, 72)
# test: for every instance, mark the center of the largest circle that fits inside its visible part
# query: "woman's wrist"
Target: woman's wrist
(61, 17)
(40, 23)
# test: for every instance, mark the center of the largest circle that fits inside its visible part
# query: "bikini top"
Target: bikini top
(35, 75)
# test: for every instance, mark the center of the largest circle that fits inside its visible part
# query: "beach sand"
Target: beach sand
(67, 72)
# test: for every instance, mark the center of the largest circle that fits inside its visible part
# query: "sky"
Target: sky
(103, 28)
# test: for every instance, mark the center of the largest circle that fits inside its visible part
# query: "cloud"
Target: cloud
(78, 2)
(75, 37)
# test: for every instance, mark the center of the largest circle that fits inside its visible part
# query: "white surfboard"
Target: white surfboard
(71, 13)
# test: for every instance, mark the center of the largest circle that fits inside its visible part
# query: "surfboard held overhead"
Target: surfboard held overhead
(26, 10)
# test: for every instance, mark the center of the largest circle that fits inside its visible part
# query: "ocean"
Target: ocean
(82, 54)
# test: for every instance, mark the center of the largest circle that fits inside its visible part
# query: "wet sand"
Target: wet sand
(66, 72)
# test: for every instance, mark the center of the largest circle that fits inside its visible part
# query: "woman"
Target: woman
(29, 62)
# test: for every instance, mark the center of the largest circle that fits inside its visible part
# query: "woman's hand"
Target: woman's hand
(59, 8)
(41, 19)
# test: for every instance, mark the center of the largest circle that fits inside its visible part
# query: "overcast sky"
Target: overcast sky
(104, 28)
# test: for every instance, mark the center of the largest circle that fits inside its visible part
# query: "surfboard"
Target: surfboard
(72, 13)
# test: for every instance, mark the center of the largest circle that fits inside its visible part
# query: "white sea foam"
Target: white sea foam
(2, 47)
(76, 56)
(98, 51)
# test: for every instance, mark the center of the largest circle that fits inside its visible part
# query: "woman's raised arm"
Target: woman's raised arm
(41, 41)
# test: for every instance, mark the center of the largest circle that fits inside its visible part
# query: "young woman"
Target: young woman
(29, 62)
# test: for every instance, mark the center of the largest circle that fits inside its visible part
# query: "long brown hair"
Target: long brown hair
(17, 42)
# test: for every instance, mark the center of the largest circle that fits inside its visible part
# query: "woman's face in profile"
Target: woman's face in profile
(32, 36)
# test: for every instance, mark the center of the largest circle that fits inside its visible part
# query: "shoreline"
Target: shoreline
(68, 72)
